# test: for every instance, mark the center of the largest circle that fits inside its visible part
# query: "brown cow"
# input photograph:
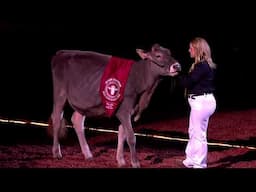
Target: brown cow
(77, 77)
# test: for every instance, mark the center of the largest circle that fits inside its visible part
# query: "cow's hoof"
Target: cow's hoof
(88, 156)
(57, 156)
(136, 165)
(121, 163)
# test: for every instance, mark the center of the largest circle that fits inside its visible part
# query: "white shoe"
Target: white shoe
(187, 163)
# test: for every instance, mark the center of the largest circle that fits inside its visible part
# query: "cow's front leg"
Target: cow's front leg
(120, 146)
(78, 123)
(131, 140)
(144, 101)
(130, 137)
(56, 151)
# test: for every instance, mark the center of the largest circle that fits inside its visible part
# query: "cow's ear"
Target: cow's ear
(155, 47)
(142, 53)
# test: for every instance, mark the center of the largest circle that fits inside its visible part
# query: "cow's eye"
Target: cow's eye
(158, 56)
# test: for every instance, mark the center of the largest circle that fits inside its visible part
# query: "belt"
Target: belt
(192, 96)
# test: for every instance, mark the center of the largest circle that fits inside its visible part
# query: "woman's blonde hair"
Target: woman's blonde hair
(202, 51)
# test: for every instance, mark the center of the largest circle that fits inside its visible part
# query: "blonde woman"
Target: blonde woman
(199, 86)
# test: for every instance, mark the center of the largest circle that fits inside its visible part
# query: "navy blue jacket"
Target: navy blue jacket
(200, 80)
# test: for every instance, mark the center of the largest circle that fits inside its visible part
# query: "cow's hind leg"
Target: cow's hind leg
(120, 146)
(78, 123)
(56, 116)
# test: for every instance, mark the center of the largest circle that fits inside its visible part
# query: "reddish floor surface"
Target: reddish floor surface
(30, 147)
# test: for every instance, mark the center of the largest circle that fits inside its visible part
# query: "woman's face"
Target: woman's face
(192, 51)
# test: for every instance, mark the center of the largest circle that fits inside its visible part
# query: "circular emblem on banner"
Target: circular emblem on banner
(112, 89)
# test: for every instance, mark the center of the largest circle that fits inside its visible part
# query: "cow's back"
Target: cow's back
(78, 74)
(83, 61)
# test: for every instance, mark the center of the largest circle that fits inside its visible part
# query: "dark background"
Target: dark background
(29, 38)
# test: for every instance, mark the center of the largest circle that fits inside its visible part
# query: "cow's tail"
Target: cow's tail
(62, 133)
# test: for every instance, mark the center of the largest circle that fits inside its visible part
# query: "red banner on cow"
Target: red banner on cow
(113, 83)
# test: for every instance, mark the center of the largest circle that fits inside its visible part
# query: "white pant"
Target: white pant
(202, 107)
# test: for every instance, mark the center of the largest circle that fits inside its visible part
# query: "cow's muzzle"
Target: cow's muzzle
(176, 67)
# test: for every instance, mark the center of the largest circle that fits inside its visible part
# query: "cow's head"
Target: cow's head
(161, 57)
